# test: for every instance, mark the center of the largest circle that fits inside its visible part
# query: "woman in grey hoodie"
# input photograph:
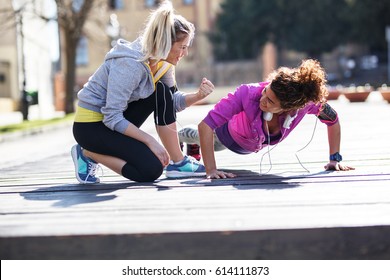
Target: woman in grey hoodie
(135, 80)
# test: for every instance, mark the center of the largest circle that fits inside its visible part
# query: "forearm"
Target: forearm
(206, 137)
(159, 151)
(206, 87)
(136, 133)
(334, 138)
(191, 98)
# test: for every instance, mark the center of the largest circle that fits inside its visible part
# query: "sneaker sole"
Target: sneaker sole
(74, 158)
(179, 174)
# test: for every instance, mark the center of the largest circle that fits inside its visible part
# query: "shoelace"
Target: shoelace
(194, 163)
(93, 167)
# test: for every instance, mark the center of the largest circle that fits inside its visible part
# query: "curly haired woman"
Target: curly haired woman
(261, 114)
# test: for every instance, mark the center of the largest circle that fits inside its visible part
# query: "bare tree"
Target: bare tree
(72, 16)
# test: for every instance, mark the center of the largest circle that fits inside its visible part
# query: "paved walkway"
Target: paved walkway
(287, 213)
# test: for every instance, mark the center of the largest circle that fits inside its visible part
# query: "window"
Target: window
(151, 3)
(82, 52)
(188, 2)
(116, 4)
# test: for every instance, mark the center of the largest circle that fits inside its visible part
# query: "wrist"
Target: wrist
(200, 95)
(336, 157)
(149, 140)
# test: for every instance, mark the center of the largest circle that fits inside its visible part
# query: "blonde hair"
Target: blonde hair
(295, 87)
(162, 30)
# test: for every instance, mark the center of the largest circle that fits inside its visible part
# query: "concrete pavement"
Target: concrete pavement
(285, 214)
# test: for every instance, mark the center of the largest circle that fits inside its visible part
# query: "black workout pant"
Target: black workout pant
(141, 163)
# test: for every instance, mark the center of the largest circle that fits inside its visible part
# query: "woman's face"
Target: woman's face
(178, 51)
(269, 102)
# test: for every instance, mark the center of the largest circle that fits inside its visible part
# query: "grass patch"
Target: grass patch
(26, 125)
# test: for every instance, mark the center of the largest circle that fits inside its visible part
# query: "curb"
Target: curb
(11, 136)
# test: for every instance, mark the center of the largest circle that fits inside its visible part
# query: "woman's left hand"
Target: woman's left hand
(334, 165)
(205, 88)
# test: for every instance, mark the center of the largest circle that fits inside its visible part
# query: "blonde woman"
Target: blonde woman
(135, 80)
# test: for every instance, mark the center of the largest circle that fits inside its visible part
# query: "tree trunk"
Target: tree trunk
(71, 20)
(70, 73)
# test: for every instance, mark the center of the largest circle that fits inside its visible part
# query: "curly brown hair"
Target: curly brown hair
(295, 87)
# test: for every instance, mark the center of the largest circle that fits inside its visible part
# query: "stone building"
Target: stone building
(126, 19)
(29, 51)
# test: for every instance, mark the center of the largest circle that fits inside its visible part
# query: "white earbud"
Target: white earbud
(267, 116)
(289, 119)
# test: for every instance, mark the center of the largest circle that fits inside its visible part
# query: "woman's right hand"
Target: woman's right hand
(206, 87)
(160, 152)
(157, 149)
(218, 174)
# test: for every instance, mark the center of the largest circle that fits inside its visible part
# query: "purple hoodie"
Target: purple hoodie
(242, 112)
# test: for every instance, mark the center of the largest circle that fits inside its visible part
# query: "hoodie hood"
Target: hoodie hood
(123, 78)
(124, 48)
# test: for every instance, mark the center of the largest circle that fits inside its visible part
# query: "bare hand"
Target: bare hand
(334, 165)
(205, 88)
(217, 174)
(160, 152)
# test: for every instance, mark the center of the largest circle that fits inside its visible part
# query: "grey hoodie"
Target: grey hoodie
(122, 79)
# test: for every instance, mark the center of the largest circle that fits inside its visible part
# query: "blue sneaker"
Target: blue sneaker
(85, 168)
(188, 167)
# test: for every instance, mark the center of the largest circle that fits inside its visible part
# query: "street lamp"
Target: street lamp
(24, 102)
(388, 51)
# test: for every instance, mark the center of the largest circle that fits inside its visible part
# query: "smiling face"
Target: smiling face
(269, 102)
(178, 51)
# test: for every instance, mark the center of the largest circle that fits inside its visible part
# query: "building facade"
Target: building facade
(30, 59)
(29, 50)
(127, 18)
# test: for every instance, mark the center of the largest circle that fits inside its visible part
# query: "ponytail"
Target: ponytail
(162, 30)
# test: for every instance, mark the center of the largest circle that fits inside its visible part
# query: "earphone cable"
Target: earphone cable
(312, 136)
(268, 152)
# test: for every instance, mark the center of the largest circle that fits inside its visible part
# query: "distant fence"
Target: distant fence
(222, 73)
(238, 72)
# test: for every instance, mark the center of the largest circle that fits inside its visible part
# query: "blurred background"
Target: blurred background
(49, 48)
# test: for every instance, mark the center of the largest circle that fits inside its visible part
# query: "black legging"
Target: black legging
(142, 165)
